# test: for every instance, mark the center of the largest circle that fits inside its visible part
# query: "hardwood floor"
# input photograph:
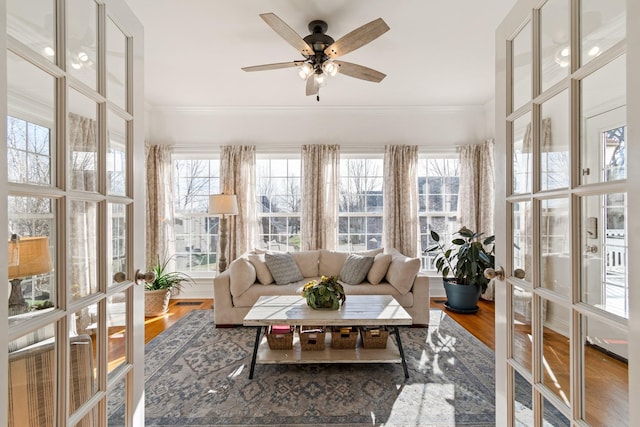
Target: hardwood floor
(607, 378)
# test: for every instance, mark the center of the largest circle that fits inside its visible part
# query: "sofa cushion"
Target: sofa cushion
(331, 262)
(262, 271)
(242, 275)
(355, 269)
(283, 267)
(307, 262)
(379, 268)
(370, 252)
(250, 297)
(402, 272)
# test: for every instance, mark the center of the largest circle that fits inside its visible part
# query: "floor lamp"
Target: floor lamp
(223, 205)
(28, 256)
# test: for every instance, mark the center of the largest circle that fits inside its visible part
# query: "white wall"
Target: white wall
(277, 128)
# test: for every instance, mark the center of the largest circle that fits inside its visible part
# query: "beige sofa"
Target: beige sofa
(248, 278)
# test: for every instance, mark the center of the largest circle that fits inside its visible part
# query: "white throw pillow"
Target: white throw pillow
(379, 268)
(242, 275)
(262, 271)
(402, 272)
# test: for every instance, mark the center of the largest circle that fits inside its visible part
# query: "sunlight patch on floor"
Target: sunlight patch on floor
(431, 398)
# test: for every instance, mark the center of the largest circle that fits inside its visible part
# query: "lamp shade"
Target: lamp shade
(225, 204)
(29, 256)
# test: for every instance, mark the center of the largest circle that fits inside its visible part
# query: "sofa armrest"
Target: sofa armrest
(420, 289)
(222, 290)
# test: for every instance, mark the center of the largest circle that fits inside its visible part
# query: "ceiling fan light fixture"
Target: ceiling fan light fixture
(305, 70)
(562, 56)
(330, 68)
(320, 78)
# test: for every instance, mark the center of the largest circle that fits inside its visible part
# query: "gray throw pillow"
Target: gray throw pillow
(283, 267)
(355, 269)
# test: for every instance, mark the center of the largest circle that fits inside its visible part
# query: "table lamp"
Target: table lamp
(223, 204)
(28, 256)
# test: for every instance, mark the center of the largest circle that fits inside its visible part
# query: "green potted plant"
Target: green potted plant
(462, 263)
(158, 291)
(327, 293)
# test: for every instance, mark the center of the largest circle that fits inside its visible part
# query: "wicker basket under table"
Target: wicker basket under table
(344, 337)
(312, 338)
(280, 341)
(374, 337)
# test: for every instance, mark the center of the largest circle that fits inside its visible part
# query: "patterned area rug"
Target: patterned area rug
(197, 375)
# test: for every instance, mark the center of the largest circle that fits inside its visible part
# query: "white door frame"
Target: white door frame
(134, 371)
(512, 22)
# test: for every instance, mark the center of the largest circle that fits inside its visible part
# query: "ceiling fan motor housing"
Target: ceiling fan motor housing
(318, 39)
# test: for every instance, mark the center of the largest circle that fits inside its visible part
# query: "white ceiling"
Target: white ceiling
(437, 53)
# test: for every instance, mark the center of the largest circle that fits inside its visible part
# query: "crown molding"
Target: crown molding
(209, 110)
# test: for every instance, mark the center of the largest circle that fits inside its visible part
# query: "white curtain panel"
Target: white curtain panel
(84, 152)
(400, 209)
(160, 233)
(318, 227)
(238, 176)
(476, 192)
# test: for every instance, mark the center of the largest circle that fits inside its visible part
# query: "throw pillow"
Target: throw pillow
(402, 272)
(262, 271)
(283, 267)
(242, 275)
(379, 268)
(355, 269)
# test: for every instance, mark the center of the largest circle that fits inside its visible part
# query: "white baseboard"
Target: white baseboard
(436, 288)
(203, 288)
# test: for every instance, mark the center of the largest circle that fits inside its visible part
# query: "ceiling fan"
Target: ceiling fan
(320, 51)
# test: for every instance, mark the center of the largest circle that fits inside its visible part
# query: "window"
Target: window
(29, 152)
(278, 203)
(196, 231)
(438, 184)
(360, 204)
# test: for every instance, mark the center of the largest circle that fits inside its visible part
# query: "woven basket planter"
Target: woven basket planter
(156, 303)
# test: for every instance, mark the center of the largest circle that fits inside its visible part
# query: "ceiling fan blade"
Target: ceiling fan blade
(312, 86)
(360, 71)
(357, 38)
(273, 66)
(287, 33)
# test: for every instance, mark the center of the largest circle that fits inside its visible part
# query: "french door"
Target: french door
(567, 313)
(71, 201)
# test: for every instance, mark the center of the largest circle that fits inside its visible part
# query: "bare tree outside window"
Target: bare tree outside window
(438, 186)
(278, 200)
(360, 204)
(196, 231)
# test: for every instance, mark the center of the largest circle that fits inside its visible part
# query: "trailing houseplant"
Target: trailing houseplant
(158, 291)
(462, 262)
(327, 293)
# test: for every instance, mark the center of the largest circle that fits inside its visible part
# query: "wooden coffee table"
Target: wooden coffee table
(358, 310)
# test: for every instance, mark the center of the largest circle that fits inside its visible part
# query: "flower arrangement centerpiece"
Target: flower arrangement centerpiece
(327, 293)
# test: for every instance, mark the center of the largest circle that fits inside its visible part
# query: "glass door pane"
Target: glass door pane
(554, 42)
(602, 25)
(522, 67)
